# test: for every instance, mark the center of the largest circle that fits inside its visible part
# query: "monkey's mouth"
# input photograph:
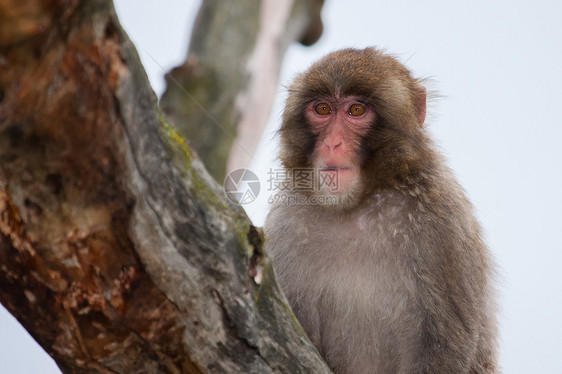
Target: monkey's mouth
(335, 168)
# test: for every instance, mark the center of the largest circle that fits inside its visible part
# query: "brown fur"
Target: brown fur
(399, 280)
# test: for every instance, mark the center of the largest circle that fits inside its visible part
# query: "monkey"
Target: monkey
(375, 244)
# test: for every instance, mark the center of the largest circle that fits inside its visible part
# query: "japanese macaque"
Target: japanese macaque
(380, 255)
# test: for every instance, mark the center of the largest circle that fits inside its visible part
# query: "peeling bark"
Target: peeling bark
(118, 251)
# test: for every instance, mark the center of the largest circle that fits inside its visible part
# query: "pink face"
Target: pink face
(340, 125)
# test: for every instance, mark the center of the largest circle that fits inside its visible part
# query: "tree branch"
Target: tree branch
(233, 67)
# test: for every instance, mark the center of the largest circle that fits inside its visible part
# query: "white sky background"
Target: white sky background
(498, 68)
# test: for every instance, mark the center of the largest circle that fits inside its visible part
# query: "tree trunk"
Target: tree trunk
(118, 251)
(220, 98)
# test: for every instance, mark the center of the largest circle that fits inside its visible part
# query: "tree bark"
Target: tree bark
(118, 251)
(221, 96)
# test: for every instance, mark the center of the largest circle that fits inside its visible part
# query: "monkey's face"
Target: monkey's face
(354, 119)
(338, 124)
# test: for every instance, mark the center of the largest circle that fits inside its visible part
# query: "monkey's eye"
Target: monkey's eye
(357, 110)
(323, 109)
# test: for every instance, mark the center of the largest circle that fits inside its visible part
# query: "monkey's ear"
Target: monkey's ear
(420, 103)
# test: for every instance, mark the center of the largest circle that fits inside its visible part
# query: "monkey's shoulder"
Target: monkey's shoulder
(388, 219)
(384, 214)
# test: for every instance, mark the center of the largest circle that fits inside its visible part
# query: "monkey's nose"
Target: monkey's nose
(332, 145)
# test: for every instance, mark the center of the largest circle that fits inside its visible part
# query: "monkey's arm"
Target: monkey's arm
(452, 299)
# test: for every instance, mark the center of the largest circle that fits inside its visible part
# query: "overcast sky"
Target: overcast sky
(497, 66)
